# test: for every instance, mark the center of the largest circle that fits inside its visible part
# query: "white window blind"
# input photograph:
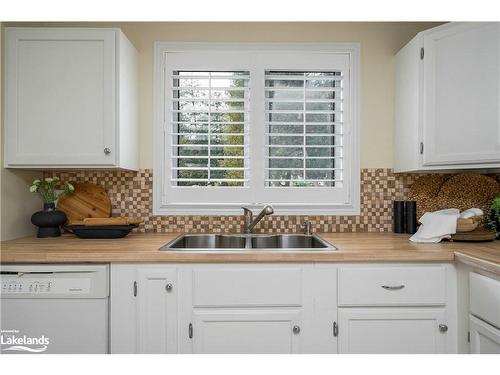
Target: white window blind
(210, 128)
(303, 121)
(273, 124)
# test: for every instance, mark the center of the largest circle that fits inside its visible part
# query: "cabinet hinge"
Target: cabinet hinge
(468, 336)
(135, 288)
(422, 53)
(190, 330)
(421, 147)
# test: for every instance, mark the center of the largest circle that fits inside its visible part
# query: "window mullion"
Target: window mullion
(304, 149)
(256, 133)
(209, 126)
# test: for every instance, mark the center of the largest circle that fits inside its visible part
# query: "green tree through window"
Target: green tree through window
(209, 113)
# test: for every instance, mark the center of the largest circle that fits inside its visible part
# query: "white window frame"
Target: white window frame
(161, 206)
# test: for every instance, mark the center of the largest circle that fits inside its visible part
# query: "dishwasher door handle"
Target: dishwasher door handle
(22, 273)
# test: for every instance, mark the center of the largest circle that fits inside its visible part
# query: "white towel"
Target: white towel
(471, 212)
(437, 225)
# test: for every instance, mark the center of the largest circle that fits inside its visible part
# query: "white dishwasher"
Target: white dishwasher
(54, 308)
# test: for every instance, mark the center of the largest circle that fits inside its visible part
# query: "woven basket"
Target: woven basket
(462, 191)
(468, 225)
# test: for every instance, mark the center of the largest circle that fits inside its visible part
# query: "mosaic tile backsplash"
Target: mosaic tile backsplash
(131, 195)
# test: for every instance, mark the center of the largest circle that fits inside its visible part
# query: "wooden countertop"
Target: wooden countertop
(143, 247)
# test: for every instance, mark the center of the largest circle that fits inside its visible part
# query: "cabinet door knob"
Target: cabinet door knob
(107, 150)
(169, 287)
(296, 329)
(443, 328)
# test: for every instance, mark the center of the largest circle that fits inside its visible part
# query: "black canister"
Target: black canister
(411, 217)
(399, 216)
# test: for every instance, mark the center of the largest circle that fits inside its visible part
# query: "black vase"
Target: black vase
(48, 221)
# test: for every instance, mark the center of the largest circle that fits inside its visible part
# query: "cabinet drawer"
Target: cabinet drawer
(392, 286)
(485, 298)
(247, 287)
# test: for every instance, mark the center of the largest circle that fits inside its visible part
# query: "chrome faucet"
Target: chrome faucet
(250, 222)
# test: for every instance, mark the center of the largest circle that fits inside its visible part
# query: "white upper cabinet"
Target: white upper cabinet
(70, 99)
(447, 106)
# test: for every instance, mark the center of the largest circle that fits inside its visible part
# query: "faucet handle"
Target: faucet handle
(248, 217)
(307, 227)
(247, 211)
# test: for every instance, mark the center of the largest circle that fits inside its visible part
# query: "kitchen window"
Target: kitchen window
(256, 123)
(209, 128)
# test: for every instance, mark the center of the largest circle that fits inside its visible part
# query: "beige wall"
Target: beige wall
(17, 204)
(379, 43)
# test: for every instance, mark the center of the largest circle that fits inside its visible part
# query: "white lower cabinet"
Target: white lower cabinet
(247, 331)
(484, 338)
(282, 308)
(248, 308)
(261, 308)
(144, 309)
(484, 316)
(392, 330)
(157, 310)
(397, 308)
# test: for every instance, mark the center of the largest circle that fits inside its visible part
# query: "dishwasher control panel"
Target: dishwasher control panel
(45, 286)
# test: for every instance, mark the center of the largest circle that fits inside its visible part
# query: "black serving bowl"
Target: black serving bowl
(104, 231)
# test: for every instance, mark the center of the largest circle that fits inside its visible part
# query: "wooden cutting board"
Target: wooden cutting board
(106, 221)
(88, 200)
(479, 234)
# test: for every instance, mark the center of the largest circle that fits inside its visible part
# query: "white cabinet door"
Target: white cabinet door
(157, 310)
(246, 331)
(461, 95)
(60, 97)
(484, 338)
(391, 330)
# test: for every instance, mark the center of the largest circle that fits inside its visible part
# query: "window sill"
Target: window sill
(236, 210)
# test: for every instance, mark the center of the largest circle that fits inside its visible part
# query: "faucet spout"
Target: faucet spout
(250, 222)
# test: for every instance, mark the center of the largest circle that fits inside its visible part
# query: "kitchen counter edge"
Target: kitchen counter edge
(143, 248)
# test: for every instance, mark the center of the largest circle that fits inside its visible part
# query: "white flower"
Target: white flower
(70, 187)
(33, 188)
(49, 180)
(36, 182)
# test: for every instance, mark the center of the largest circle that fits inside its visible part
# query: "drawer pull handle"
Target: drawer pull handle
(393, 287)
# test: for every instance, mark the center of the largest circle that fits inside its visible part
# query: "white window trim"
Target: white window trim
(300, 208)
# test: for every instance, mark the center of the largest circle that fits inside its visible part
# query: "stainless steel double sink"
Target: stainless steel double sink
(248, 242)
